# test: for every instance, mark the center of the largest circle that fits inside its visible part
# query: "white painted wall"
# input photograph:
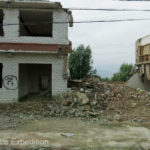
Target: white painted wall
(10, 67)
(11, 32)
(11, 61)
(24, 83)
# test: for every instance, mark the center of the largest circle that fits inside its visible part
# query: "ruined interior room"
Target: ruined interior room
(34, 78)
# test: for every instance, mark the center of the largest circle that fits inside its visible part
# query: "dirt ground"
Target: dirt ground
(85, 134)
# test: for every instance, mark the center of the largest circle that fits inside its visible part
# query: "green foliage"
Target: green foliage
(80, 62)
(116, 77)
(106, 79)
(93, 72)
(124, 73)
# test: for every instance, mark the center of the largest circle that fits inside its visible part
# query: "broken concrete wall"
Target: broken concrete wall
(11, 32)
(145, 40)
(9, 92)
(136, 82)
(23, 81)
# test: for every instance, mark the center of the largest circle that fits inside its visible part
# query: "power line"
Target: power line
(98, 9)
(136, 0)
(106, 9)
(94, 9)
(77, 22)
(107, 21)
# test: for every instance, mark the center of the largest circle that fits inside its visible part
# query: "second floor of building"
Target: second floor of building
(34, 22)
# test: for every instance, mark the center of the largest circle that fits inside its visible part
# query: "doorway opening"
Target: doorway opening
(35, 79)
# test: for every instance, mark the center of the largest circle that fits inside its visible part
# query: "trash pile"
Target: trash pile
(88, 99)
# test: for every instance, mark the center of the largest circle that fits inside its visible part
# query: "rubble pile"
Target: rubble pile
(86, 99)
(114, 99)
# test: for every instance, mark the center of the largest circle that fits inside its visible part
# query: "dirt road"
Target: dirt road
(83, 134)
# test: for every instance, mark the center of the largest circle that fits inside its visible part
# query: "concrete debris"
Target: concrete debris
(133, 105)
(141, 148)
(81, 90)
(117, 117)
(87, 100)
(82, 98)
(68, 135)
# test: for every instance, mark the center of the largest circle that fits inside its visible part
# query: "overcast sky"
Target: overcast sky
(112, 43)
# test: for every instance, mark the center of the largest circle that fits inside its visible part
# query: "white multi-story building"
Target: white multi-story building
(34, 47)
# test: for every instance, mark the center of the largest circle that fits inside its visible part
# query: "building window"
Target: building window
(1, 75)
(1, 23)
(36, 23)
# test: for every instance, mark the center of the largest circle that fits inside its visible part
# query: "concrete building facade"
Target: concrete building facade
(141, 71)
(34, 47)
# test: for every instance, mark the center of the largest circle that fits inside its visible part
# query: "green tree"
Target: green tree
(116, 77)
(124, 73)
(106, 79)
(80, 62)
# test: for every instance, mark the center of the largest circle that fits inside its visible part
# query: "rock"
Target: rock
(101, 111)
(110, 118)
(82, 98)
(134, 120)
(95, 98)
(87, 108)
(93, 103)
(81, 90)
(117, 117)
(43, 148)
(68, 135)
(141, 148)
(93, 114)
(148, 94)
(78, 114)
(133, 96)
(75, 100)
(139, 120)
(107, 91)
(88, 90)
(133, 105)
(71, 112)
(65, 103)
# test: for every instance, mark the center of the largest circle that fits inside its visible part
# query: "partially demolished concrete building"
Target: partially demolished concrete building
(34, 47)
(141, 77)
